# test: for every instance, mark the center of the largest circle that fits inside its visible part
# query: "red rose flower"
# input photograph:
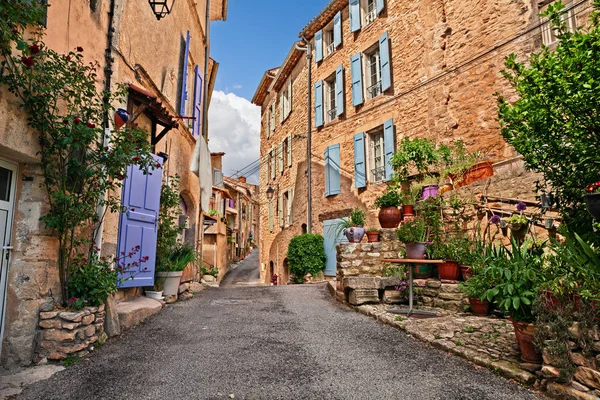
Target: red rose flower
(76, 121)
(90, 125)
(28, 61)
(157, 165)
(136, 158)
(34, 49)
(80, 49)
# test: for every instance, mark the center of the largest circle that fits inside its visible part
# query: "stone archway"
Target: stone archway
(285, 278)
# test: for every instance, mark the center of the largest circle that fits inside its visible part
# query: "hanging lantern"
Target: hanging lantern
(121, 118)
(547, 199)
(161, 8)
(549, 223)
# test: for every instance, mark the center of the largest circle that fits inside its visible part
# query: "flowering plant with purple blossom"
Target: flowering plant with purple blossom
(495, 219)
(521, 206)
(404, 288)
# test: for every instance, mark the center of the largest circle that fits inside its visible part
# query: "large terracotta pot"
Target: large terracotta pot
(449, 270)
(592, 203)
(389, 217)
(372, 237)
(525, 333)
(466, 272)
(415, 251)
(422, 271)
(479, 308)
(408, 210)
(481, 170)
(354, 234)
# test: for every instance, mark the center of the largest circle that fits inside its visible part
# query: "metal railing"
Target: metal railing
(378, 174)
(374, 90)
(331, 114)
(370, 16)
(329, 49)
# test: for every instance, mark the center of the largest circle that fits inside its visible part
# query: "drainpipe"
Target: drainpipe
(101, 208)
(308, 50)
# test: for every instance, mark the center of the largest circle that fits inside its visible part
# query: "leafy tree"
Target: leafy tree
(555, 123)
(306, 255)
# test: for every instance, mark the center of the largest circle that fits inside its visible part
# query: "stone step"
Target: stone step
(135, 311)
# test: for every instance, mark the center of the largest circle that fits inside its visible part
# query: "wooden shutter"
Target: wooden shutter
(319, 103)
(271, 215)
(354, 15)
(357, 85)
(280, 157)
(389, 146)
(269, 122)
(280, 210)
(184, 71)
(337, 29)
(339, 91)
(290, 209)
(289, 150)
(273, 165)
(319, 46)
(326, 169)
(289, 110)
(281, 107)
(384, 56)
(197, 113)
(380, 5)
(334, 169)
(360, 168)
(273, 116)
(267, 165)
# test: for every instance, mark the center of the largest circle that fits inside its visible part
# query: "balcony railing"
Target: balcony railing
(371, 15)
(374, 90)
(329, 49)
(331, 114)
(378, 174)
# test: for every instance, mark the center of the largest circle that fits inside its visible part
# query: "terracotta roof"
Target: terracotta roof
(263, 86)
(322, 19)
(154, 104)
(287, 67)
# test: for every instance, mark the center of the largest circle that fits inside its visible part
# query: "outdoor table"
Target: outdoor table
(411, 261)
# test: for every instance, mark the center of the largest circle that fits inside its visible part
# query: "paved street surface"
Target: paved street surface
(282, 342)
(246, 272)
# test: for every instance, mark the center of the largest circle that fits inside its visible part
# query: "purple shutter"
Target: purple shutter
(197, 102)
(184, 72)
(138, 224)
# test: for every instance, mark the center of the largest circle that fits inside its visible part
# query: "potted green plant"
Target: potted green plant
(518, 222)
(517, 275)
(409, 198)
(389, 214)
(414, 235)
(414, 156)
(156, 291)
(449, 252)
(430, 187)
(476, 288)
(372, 235)
(353, 227)
(172, 268)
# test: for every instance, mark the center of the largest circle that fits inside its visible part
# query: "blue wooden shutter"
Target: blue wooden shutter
(267, 176)
(319, 46)
(326, 169)
(337, 29)
(389, 146)
(319, 103)
(354, 15)
(384, 55)
(334, 169)
(184, 95)
(138, 225)
(360, 168)
(357, 85)
(198, 87)
(339, 90)
(380, 5)
(271, 215)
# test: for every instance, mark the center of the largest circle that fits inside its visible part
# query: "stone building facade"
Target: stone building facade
(150, 57)
(384, 70)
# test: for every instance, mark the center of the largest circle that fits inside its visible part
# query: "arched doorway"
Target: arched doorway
(271, 270)
(286, 272)
(304, 230)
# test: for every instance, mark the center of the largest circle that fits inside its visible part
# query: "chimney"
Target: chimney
(242, 179)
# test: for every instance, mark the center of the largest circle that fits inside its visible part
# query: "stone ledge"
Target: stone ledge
(133, 312)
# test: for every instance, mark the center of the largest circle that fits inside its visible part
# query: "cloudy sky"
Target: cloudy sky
(257, 36)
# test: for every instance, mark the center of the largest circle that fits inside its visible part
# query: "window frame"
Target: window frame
(368, 17)
(370, 86)
(376, 137)
(328, 40)
(329, 97)
(548, 34)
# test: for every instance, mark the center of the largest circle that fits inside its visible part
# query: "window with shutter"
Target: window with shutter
(339, 91)
(273, 165)
(280, 210)
(360, 169)
(271, 215)
(330, 98)
(273, 116)
(326, 169)
(384, 54)
(319, 46)
(280, 157)
(289, 150)
(197, 110)
(337, 29)
(334, 170)
(290, 208)
(267, 164)
(184, 73)
(357, 83)
(319, 103)
(389, 145)
(354, 15)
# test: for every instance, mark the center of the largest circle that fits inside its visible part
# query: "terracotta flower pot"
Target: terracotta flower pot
(354, 234)
(525, 332)
(389, 217)
(479, 308)
(466, 272)
(449, 270)
(372, 237)
(415, 251)
(481, 170)
(408, 210)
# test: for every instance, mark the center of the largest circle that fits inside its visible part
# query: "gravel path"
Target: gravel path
(245, 272)
(284, 342)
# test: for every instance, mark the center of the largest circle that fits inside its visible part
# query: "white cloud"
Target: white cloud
(237, 86)
(234, 128)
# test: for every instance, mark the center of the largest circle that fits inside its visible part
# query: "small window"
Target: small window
(328, 43)
(330, 106)
(370, 11)
(373, 72)
(286, 101)
(376, 156)
(568, 17)
(284, 152)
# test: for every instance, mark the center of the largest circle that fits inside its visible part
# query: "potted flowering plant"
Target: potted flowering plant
(518, 222)
(372, 235)
(409, 198)
(389, 214)
(353, 227)
(592, 199)
(414, 235)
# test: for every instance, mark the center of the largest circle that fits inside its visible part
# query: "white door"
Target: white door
(8, 173)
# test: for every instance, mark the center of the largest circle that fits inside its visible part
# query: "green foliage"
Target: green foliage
(555, 122)
(80, 165)
(394, 270)
(181, 256)
(70, 360)
(391, 198)
(517, 220)
(213, 213)
(411, 195)
(414, 231)
(430, 211)
(357, 217)
(214, 271)
(414, 155)
(454, 248)
(168, 223)
(371, 230)
(306, 255)
(478, 285)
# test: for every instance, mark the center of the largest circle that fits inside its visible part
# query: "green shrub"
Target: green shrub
(306, 255)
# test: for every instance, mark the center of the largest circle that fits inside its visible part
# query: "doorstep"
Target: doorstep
(135, 311)
(12, 382)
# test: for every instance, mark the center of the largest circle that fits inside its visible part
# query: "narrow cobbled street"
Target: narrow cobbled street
(284, 342)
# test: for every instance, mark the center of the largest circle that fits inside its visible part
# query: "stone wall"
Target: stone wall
(65, 334)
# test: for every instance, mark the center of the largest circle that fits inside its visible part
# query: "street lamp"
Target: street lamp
(161, 8)
(270, 192)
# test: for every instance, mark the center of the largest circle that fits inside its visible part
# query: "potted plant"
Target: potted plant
(430, 187)
(475, 288)
(592, 199)
(414, 156)
(372, 235)
(414, 235)
(156, 291)
(409, 198)
(449, 269)
(516, 274)
(353, 227)
(389, 214)
(172, 269)
(518, 224)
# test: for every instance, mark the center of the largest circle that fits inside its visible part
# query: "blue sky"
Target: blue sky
(257, 36)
